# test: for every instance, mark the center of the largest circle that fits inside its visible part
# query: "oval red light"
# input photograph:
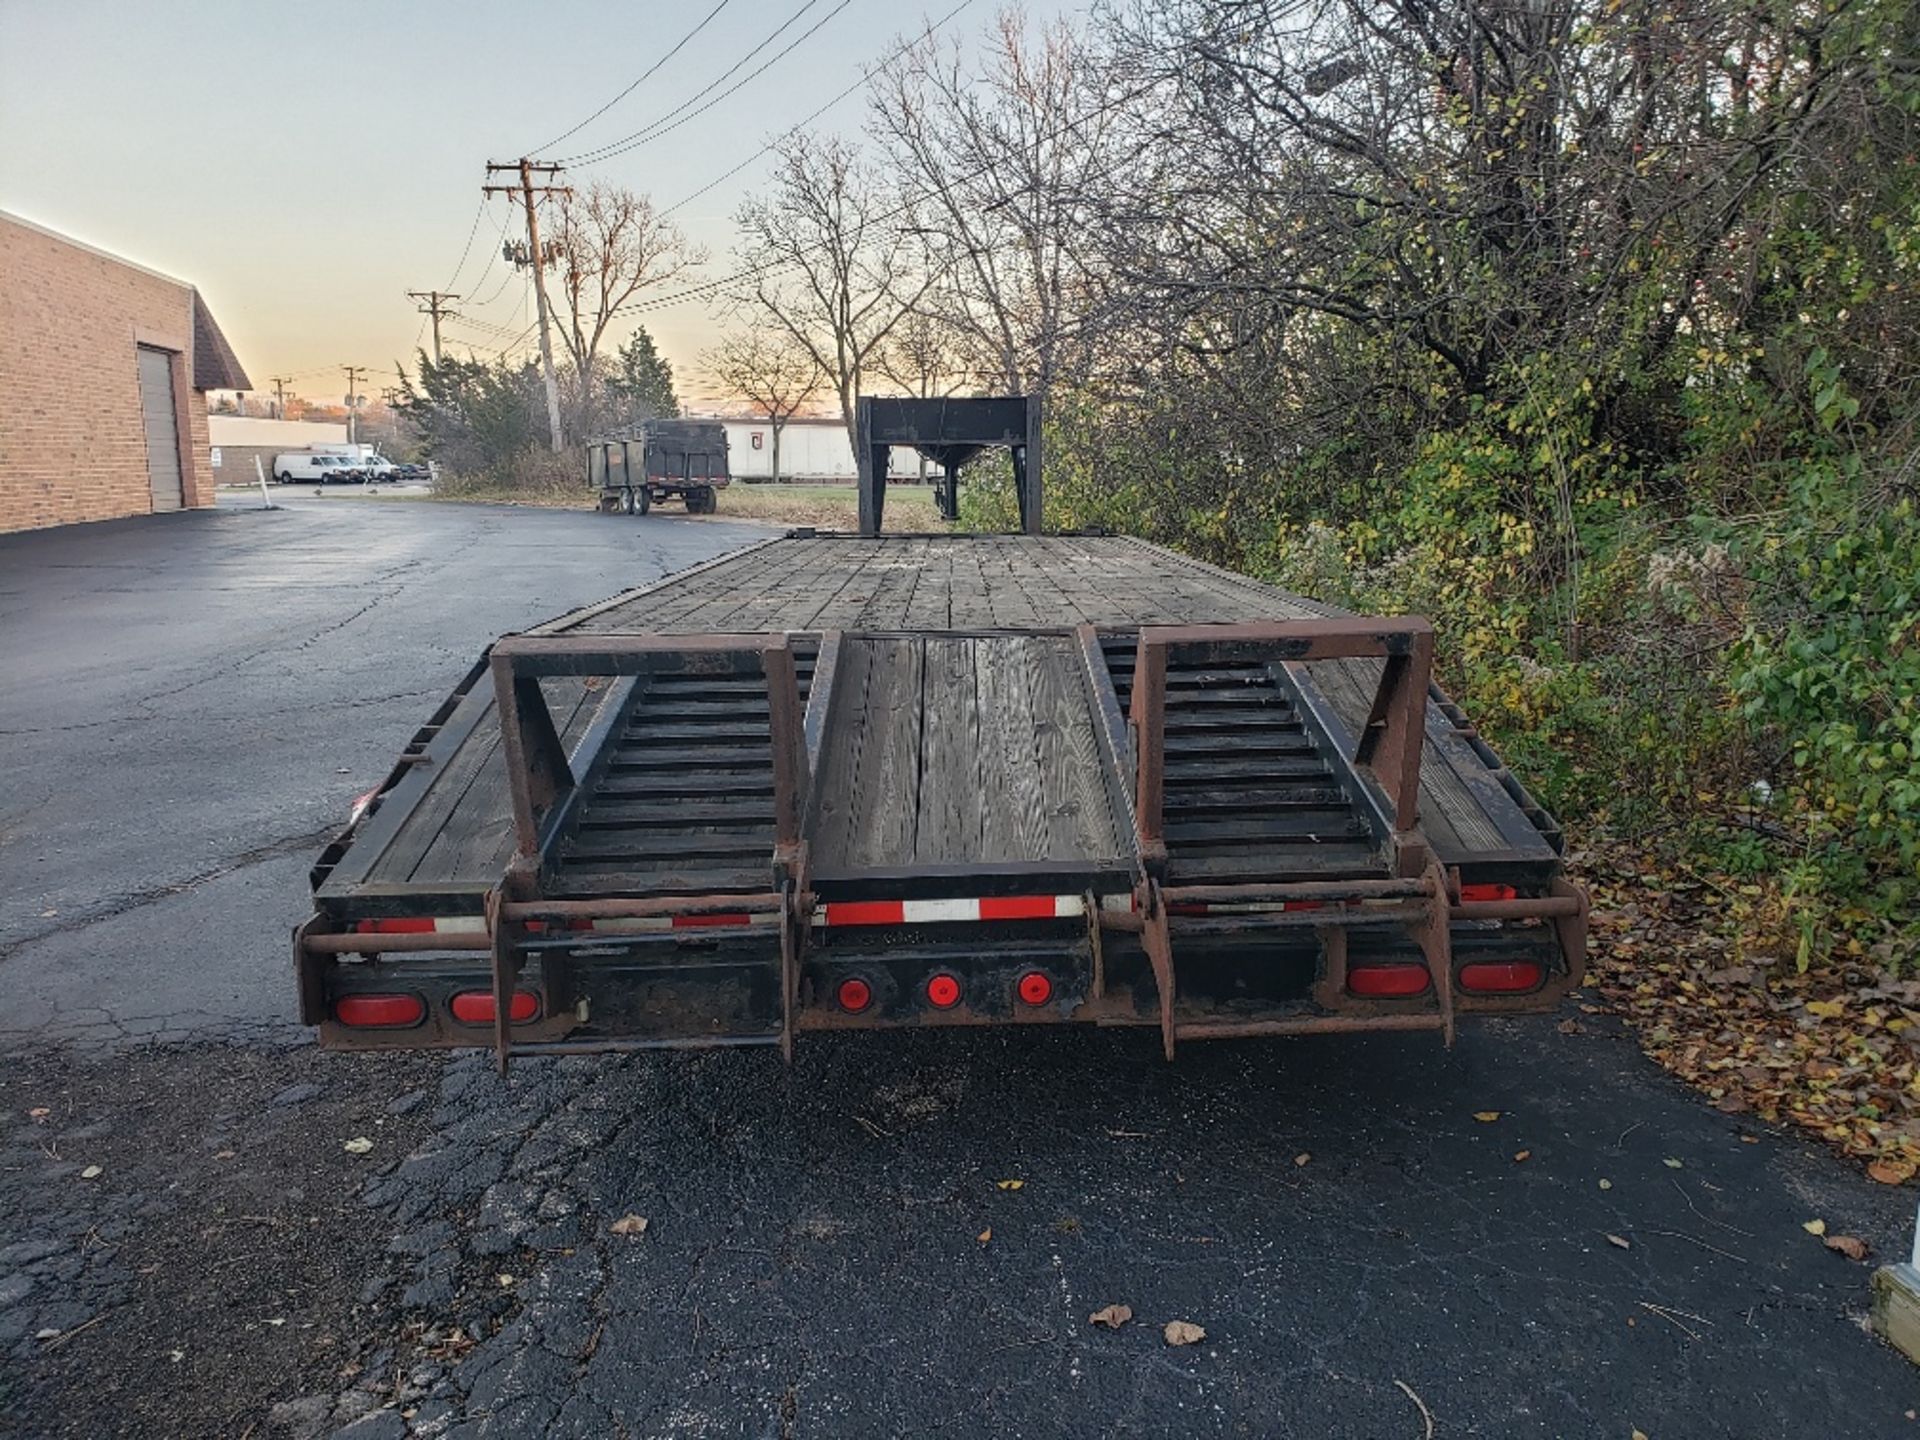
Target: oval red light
(380, 1012)
(1501, 977)
(943, 992)
(1480, 894)
(475, 1007)
(1387, 982)
(854, 995)
(1035, 988)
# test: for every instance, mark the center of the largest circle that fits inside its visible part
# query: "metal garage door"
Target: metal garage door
(163, 430)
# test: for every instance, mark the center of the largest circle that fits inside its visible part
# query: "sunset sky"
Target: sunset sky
(306, 166)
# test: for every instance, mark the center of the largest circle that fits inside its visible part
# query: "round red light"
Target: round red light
(1035, 988)
(854, 995)
(943, 991)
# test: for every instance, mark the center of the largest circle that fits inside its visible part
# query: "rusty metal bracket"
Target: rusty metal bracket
(1433, 933)
(1158, 941)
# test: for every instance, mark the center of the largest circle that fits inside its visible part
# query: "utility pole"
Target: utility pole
(354, 372)
(526, 189)
(280, 383)
(436, 306)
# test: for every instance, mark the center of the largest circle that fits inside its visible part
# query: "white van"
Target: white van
(316, 467)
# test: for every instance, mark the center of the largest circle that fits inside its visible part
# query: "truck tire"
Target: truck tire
(701, 500)
(642, 500)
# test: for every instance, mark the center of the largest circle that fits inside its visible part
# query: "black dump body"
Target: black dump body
(656, 459)
(835, 781)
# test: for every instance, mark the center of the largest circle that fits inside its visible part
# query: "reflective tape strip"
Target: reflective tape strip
(633, 923)
(960, 910)
(1251, 907)
(477, 924)
(425, 925)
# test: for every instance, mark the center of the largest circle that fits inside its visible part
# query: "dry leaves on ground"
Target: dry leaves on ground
(1111, 1316)
(1688, 961)
(1851, 1246)
(629, 1225)
(1183, 1332)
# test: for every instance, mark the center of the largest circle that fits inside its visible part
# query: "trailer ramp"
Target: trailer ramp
(722, 839)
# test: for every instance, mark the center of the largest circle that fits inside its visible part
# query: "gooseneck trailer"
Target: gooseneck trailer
(835, 781)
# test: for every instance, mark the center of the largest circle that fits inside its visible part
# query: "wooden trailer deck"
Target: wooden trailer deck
(443, 831)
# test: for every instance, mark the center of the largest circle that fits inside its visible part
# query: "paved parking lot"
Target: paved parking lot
(189, 705)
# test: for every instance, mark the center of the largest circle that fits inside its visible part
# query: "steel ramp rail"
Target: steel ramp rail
(550, 801)
(1276, 882)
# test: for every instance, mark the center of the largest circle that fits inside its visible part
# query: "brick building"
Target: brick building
(104, 369)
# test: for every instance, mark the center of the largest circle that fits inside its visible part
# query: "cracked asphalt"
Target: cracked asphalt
(188, 1247)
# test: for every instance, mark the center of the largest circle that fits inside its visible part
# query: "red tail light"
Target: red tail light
(1502, 977)
(380, 1012)
(1470, 894)
(854, 995)
(943, 992)
(1035, 988)
(1387, 982)
(416, 925)
(475, 1007)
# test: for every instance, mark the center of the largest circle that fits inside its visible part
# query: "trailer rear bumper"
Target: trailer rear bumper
(614, 983)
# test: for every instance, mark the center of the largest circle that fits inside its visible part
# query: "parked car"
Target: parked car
(321, 467)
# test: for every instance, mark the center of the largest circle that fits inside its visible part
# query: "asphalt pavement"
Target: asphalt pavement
(1536, 1233)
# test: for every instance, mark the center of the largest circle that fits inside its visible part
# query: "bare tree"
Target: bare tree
(610, 246)
(828, 262)
(772, 372)
(1005, 167)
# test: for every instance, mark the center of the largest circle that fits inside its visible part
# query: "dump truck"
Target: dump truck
(848, 781)
(632, 468)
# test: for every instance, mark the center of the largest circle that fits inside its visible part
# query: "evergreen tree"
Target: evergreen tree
(641, 384)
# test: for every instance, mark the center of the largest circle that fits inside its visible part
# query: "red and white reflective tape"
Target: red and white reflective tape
(962, 910)
(686, 922)
(425, 925)
(477, 925)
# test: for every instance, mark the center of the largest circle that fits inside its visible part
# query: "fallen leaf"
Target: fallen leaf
(1851, 1246)
(1891, 1172)
(629, 1225)
(1009, 1184)
(1621, 1241)
(1302, 1158)
(223, 1154)
(1672, 1164)
(504, 1279)
(1606, 1184)
(1569, 1026)
(359, 1145)
(1111, 1316)
(1639, 1435)
(1486, 1117)
(1182, 1332)
(1826, 1009)
(985, 1235)
(1521, 1156)
(92, 1172)
(40, 1112)
(1749, 1139)
(1815, 1227)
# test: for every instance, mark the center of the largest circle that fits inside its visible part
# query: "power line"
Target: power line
(748, 272)
(645, 75)
(865, 76)
(705, 100)
(472, 231)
